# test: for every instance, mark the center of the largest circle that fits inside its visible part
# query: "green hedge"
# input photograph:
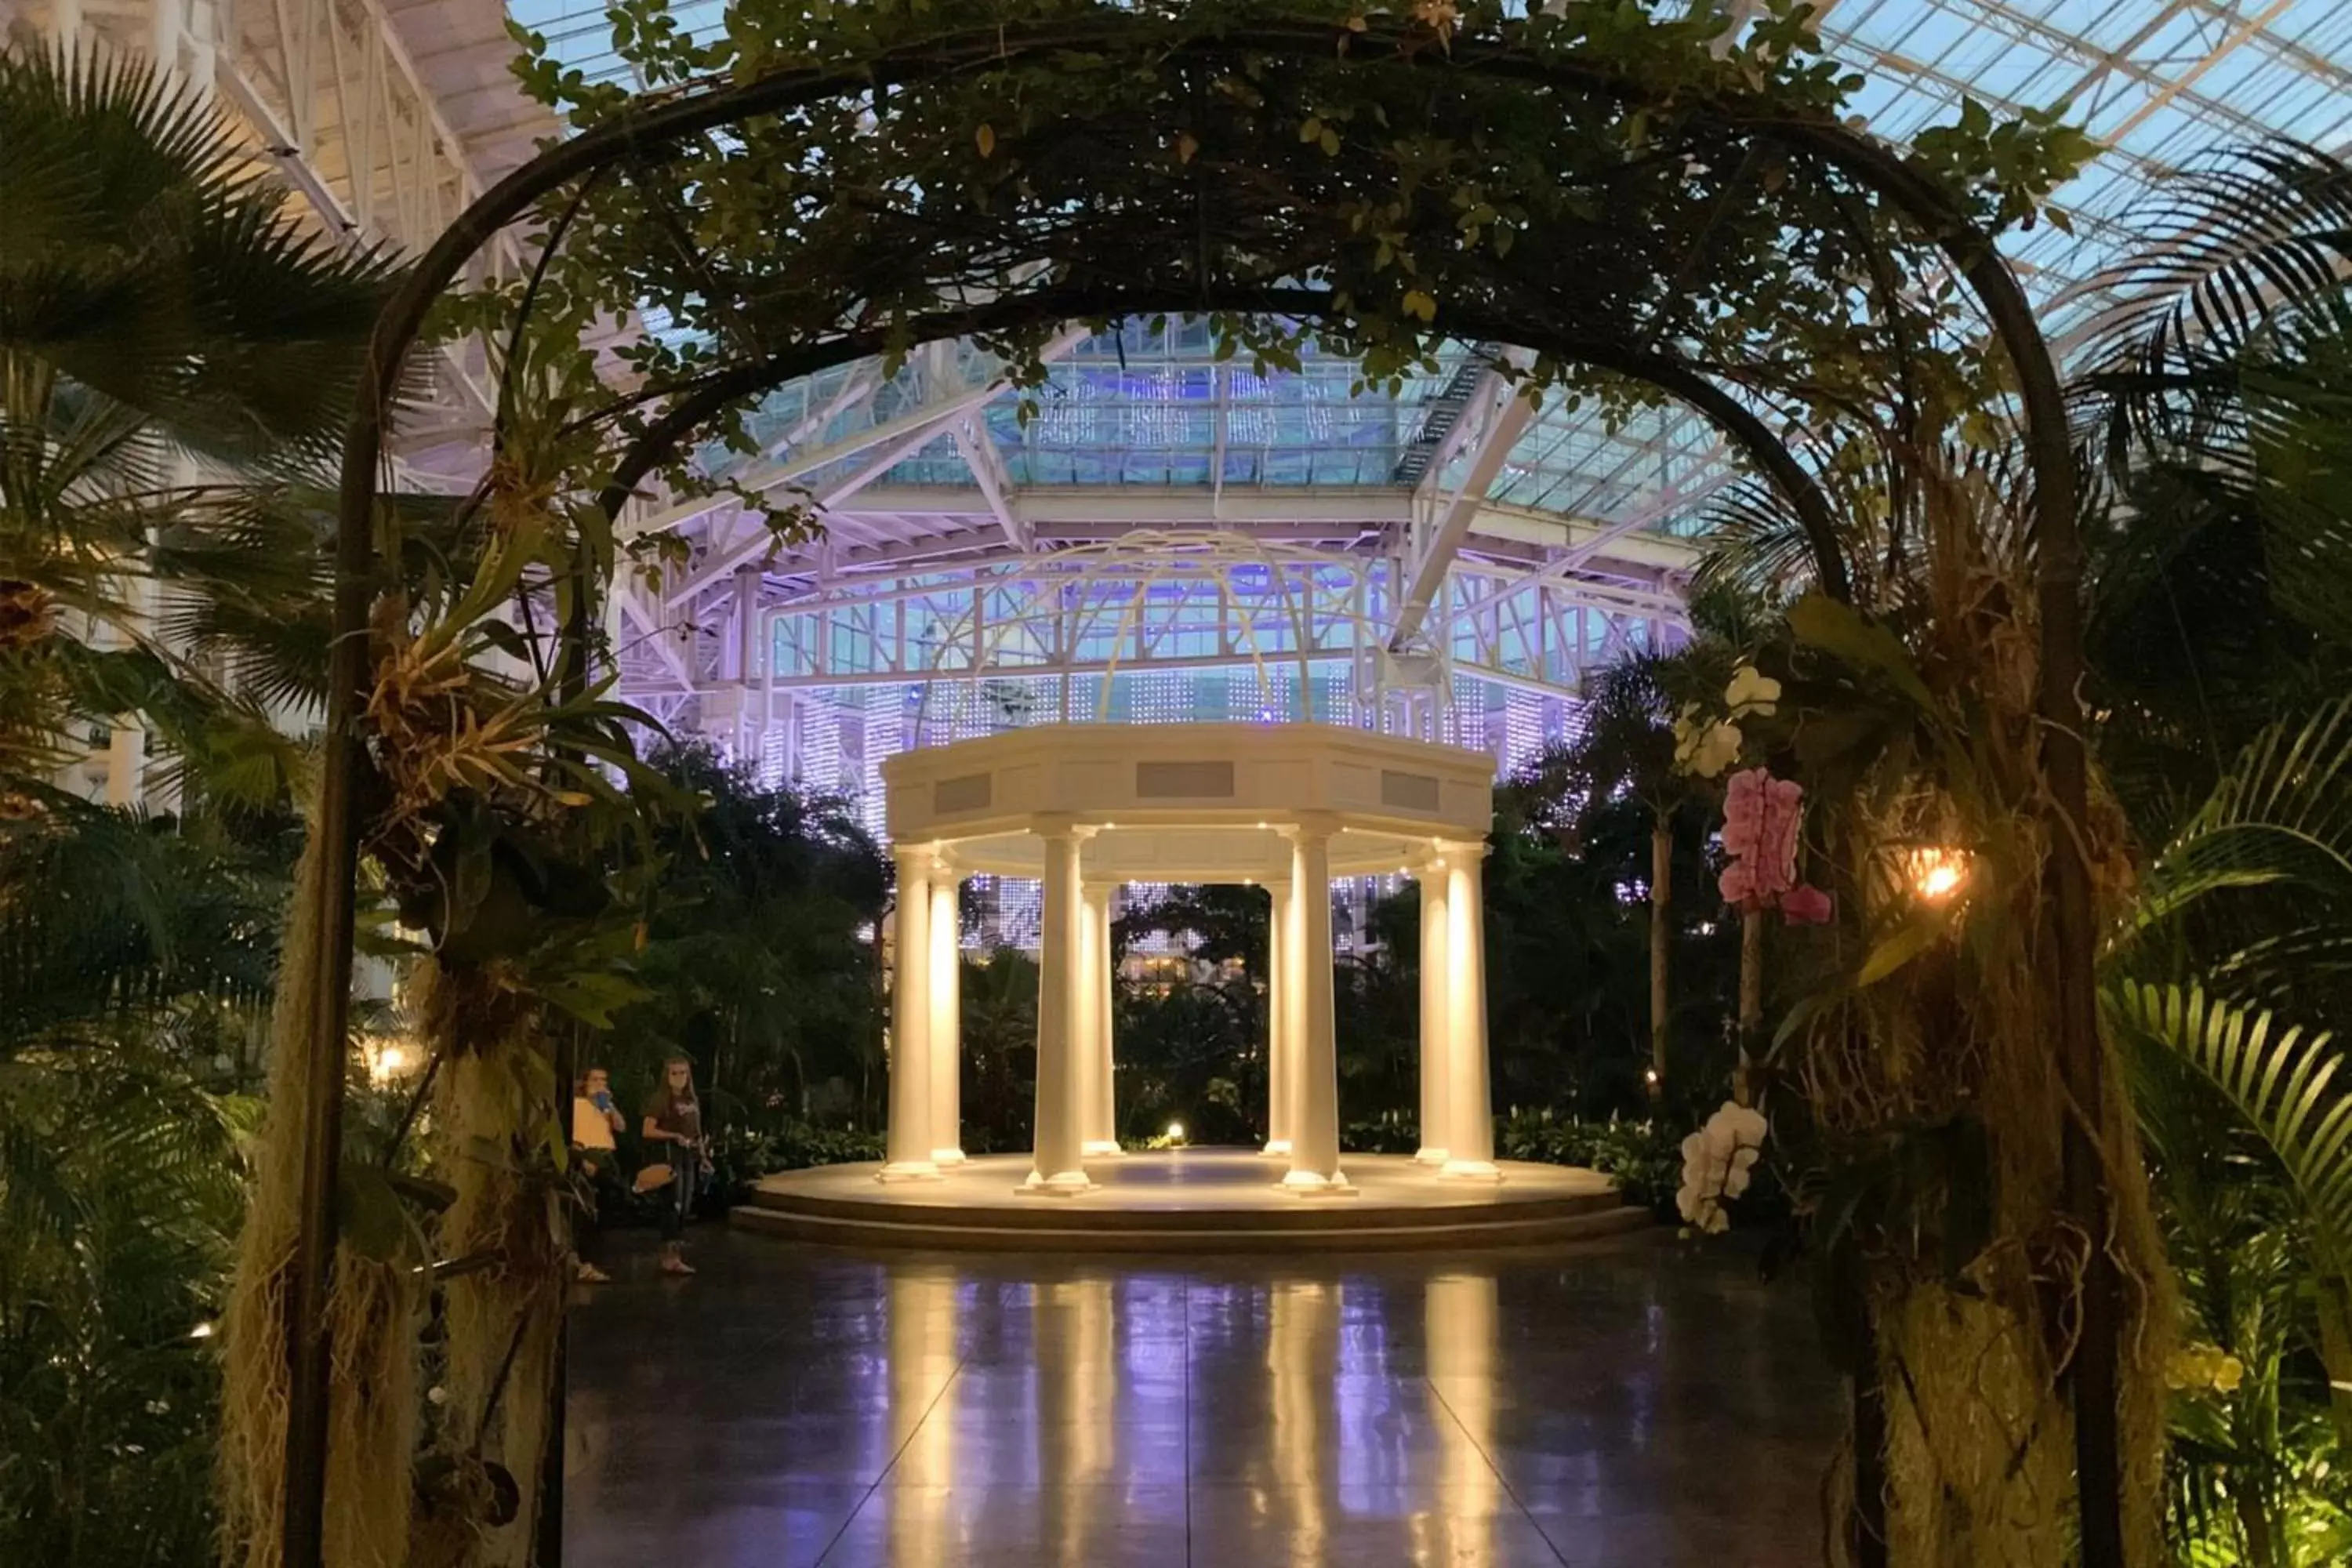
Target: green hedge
(1646, 1159)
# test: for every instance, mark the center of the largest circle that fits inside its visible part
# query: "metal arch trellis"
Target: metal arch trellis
(655, 130)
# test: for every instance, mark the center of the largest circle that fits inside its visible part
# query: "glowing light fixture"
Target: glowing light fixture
(201, 1331)
(1175, 1132)
(386, 1060)
(1937, 873)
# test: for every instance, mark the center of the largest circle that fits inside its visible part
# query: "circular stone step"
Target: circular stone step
(1190, 1201)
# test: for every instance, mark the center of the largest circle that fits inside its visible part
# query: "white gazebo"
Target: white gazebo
(1084, 809)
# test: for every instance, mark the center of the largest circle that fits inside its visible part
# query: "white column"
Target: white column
(1435, 1066)
(1058, 1165)
(1281, 1046)
(907, 1145)
(947, 1019)
(1470, 1118)
(1315, 1078)
(126, 764)
(1101, 1089)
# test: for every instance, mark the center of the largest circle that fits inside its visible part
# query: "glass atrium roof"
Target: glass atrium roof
(2159, 82)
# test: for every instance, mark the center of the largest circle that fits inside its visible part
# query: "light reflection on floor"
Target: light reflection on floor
(1643, 1404)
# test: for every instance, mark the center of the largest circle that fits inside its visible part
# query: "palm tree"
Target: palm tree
(1624, 747)
(175, 355)
(753, 955)
(2243, 922)
(999, 993)
(2215, 400)
(2215, 406)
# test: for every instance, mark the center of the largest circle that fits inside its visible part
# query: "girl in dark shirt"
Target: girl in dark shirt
(673, 1119)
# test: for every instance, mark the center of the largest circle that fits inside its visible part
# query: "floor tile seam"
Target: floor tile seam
(1188, 1422)
(1501, 1479)
(897, 1454)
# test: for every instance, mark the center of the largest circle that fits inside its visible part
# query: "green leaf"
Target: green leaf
(1843, 633)
(1905, 943)
(370, 1218)
(2289, 1085)
(1824, 739)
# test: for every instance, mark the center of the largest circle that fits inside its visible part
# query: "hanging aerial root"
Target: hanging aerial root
(373, 1313)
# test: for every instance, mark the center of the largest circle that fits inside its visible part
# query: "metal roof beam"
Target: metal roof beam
(747, 544)
(927, 420)
(958, 516)
(662, 637)
(978, 450)
(1501, 432)
(1574, 558)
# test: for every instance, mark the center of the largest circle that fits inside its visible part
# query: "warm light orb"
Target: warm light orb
(386, 1060)
(1937, 873)
(1175, 1132)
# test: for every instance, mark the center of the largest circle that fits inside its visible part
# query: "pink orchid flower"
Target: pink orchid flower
(1760, 816)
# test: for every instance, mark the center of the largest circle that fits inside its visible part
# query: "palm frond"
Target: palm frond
(2284, 814)
(2262, 234)
(1756, 545)
(2287, 1082)
(148, 259)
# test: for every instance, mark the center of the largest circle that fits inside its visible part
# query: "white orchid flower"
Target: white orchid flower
(1717, 1163)
(1707, 750)
(1751, 691)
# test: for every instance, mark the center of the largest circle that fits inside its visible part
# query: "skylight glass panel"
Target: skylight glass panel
(2163, 83)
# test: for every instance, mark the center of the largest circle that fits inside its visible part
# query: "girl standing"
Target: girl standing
(673, 1120)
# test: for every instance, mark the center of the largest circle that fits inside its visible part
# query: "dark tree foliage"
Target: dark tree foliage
(759, 955)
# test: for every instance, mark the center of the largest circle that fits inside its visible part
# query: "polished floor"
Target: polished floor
(1635, 1404)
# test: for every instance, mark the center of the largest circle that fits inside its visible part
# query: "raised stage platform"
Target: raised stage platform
(1190, 1201)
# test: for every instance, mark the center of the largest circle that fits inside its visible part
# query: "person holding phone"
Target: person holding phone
(673, 1131)
(596, 1126)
